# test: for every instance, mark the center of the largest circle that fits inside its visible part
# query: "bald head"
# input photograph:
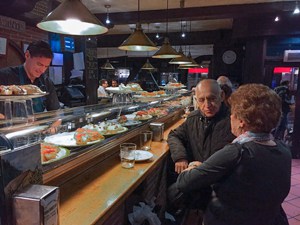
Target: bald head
(224, 80)
(209, 97)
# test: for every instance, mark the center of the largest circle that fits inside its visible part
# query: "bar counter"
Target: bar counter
(96, 194)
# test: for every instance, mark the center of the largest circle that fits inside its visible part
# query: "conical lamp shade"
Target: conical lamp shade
(148, 66)
(138, 41)
(184, 67)
(166, 51)
(192, 63)
(72, 17)
(180, 60)
(107, 66)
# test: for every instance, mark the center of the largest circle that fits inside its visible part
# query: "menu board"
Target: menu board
(91, 62)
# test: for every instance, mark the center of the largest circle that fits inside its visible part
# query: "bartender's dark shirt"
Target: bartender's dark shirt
(17, 75)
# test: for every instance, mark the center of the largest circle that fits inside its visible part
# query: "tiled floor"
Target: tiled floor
(292, 202)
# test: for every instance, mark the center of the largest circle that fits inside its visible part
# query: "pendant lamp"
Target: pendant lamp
(192, 63)
(148, 66)
(138, 41)
(73, 18)
(166, 51)
(180, 60)
(107, 65)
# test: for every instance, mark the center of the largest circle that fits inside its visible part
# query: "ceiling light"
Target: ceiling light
(192, 63)
(183, 35)
(296, 10)
(107, 21)
(74, 18)
(166, 51)
(276, 19)
(138, 41)
(157, 35)
(148, 66)
(180, 60)
(107, 66)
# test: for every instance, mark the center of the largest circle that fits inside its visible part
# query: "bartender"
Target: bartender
(38, 57)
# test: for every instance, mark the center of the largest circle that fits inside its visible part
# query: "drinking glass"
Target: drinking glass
(146, 140)
(127, 154)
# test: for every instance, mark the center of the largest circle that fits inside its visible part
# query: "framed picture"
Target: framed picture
(3, 45)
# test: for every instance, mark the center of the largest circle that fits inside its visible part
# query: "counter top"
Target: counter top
(91, 197)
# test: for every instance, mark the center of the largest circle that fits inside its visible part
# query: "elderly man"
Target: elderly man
(205, 131)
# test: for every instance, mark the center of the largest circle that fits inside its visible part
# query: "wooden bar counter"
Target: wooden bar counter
(96, 194)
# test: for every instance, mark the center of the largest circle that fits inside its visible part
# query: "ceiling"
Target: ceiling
(182, 15)
(192, 16)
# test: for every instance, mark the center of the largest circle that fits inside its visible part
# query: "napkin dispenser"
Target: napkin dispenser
(158, 131)
(36, 204)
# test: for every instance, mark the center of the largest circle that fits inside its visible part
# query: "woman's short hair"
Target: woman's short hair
(257, 105)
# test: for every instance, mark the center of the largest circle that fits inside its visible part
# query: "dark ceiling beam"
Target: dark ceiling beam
(199, 13)
(192, 38)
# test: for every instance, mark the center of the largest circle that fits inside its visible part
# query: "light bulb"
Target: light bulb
(183, 35)
(296, 10)
(276, 19)
(107, 21)
(157, 36)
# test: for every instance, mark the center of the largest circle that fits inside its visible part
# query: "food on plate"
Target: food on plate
(174, 84)
(134, 87)
(122, 119)
(31, 89)
(142, 115)
(161, 92)
(49, 151)
(157, 112)
(110, 128)
(20, 89)
(84, 135)
(149, 94)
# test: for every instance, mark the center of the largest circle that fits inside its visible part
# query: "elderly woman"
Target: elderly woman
(250, 177)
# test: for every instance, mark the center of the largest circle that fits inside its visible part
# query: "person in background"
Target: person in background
(204, 132)
(38, 57)
(103, 84)
(114, 83)
(284, 93)
(252, 176)
(226, 87)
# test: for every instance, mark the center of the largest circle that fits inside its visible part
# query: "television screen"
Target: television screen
(58, 59)
(54, 41)
(69, 44)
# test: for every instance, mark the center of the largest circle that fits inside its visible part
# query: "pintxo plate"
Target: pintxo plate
(63, 152)
(66, 139)
(22, 97)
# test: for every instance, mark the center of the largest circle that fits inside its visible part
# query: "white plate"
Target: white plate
(22, 97)
(66, 139)
(141, 155)
(130, 123)
(117, 90)
(172, 87)
(61, 154)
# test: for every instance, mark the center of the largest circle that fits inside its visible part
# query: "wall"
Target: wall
(15, 40)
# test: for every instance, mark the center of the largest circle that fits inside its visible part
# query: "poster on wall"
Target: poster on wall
(3, 42)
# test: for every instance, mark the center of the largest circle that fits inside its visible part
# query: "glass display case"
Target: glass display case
(59, 128)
